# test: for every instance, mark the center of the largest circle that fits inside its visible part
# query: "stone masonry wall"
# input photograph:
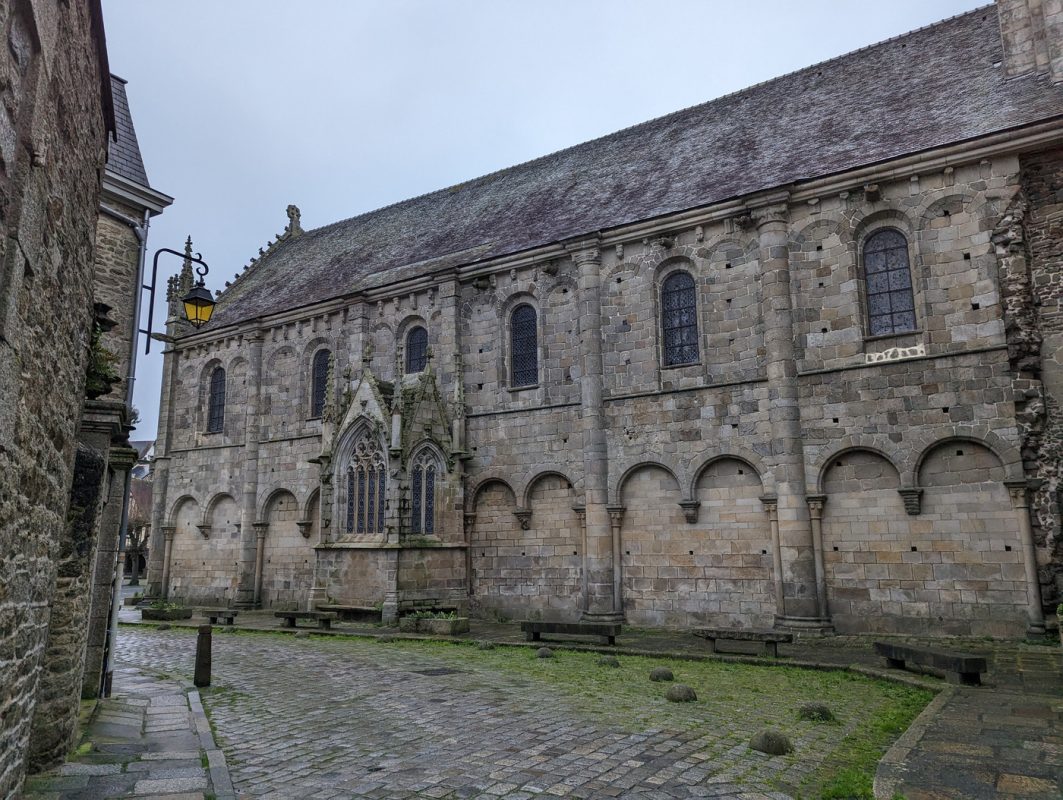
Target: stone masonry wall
(700, 432)
(50, 85)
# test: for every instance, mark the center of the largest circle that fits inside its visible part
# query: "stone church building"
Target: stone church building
(790, 358)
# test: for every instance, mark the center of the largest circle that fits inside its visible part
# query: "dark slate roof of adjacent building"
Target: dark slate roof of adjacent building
(935, 86)
(123, 152)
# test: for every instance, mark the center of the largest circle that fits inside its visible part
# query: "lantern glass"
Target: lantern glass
(199, 306)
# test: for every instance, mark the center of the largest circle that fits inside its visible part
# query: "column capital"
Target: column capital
(584, 249)
(169, 530)
(816, 503)
(260, 529)
(770, 214)
(616, 514)
(581, 514)
(1019, 491)
(770, 501)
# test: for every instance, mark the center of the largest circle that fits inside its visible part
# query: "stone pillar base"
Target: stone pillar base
(246, 605)
(317, 595)
(805, 626)
(1035, 629)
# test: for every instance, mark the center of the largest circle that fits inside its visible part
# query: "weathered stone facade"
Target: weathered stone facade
(53, 74)
(802, 469)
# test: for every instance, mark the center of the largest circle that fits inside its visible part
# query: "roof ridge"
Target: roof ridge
(645, 123)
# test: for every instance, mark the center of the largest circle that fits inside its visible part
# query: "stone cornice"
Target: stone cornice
(124, 190)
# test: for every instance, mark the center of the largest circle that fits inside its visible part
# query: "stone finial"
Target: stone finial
(294, 228)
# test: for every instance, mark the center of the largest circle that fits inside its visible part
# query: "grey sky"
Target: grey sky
(243, 107)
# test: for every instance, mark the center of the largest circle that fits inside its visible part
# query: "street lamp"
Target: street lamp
(198, 303)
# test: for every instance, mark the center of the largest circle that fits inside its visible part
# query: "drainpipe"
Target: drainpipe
(140, 230)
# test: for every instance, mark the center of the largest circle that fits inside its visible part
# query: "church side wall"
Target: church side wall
(692, 458)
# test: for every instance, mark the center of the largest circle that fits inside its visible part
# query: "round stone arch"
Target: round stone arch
(636, 464)
(937, 201)
(863, 227)
(831, 222)
(526, 492)
(750, 459)
(880, 446)
(748, 245)
(171, 519)
(1009, 457)
(270, 496)
(654, 259)
(486, 481)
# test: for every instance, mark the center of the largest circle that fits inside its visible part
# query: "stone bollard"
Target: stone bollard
(202, 674)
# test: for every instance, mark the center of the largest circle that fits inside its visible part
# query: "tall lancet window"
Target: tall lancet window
(416, 350)
(366, 484)
(216, 401)
(679, 319)
(423, 493)
(319, 382)
(524, 346)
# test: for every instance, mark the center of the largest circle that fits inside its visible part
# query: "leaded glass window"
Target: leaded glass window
(216, 402)
(366, 485)
(423, 494)
(416, 350)
(890, 303)
(679, 319)
(319, 380)
(524, 346)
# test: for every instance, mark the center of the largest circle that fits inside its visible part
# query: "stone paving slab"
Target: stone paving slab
(145, 742)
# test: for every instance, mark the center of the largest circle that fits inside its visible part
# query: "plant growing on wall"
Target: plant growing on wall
(101, 373)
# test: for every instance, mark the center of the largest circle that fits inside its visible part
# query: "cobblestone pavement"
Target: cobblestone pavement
(323, 718)
(1003, 740)
(149, 740)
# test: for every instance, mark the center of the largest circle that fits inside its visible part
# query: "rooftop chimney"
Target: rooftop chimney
(1032, 33)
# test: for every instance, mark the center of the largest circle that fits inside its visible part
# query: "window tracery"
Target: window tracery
(423, 493)
(366, 485)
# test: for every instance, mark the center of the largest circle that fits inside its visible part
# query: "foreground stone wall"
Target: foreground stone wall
(51, 146)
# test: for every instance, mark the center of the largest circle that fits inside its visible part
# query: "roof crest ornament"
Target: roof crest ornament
(292, 230)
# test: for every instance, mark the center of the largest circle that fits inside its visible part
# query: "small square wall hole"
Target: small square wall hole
(481, 350)
(728, 300)
(966, 256)
(618, 280)
(820, 284)
(959, 452)
(575, 553)
(734, 426)
(627, 552)
(1007, 548)
(727, 265)
(976, 306)
(822, 330)
(915, 549)
(834, 420)
(838, 463)
(835, 548)
(483, 555)
(763, 552)
(944, 409)
(523, 554)
(741, 472)
(819, 247)
(479, 387)
(691, 552)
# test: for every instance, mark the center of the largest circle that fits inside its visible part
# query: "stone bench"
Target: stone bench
(959, 668)
(219, 616)
(323, 618)
(352, 613)
(604, 630)
(770, 639)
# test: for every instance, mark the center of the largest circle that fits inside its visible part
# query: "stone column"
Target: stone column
(245, 587)
(616, 520)
(771, 505)
(107, 569)
(261, 529)
(1020, 501)
(167, 549)
(601, 603)
(160, 473)
(815, 511)
(581, 516)
(470, 527)
(802, 608)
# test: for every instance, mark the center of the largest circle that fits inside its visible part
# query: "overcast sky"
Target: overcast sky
(244, 106)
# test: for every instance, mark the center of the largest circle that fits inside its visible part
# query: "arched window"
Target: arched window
(524, 346)
(423, 494)
(366, 485)
(890, 304)
(416, 350)
(679, 319)
(216, 401)
(318, 382)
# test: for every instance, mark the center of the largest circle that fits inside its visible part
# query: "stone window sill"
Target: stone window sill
(681, 366)
(886, 336)
(529, 387)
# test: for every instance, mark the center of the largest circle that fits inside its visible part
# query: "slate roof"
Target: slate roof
(123, 152)
(935, 86)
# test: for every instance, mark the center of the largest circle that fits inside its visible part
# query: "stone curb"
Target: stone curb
(890, 771)
(219, 769)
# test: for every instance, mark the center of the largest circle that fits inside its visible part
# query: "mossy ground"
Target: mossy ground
(735, 700)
